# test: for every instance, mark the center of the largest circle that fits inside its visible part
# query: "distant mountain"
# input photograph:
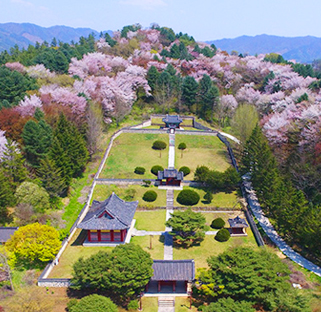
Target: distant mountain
(25, 34)
(302, 49)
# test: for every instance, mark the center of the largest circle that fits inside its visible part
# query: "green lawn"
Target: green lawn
(201, 151)
(131, 150)
(220, 200)
(210, 216)
(72, 253)
(103, 191)
(150, 304)
(153, 220)
(157, 251)
(182, 305)
(211, 247)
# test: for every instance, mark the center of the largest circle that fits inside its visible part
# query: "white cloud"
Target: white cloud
(145, 4)
(22, 2)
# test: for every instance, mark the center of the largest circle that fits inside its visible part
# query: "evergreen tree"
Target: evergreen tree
(152, 77)
(13, 165)
(6, 198)
(13, 85)
(51, 178)
(68, 150)
(37, 138)
(189, 91)
(188, 227)
(208, 97)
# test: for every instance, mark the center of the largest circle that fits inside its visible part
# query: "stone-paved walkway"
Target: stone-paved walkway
(168, 245)
(274, 236)
(171, 152)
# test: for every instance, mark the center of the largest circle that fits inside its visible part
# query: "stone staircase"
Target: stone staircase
(166, 304)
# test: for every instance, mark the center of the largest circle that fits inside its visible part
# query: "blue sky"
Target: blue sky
(204, 19)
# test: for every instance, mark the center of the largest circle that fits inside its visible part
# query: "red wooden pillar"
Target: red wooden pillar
(111, 235)
(99, 235)
(122, 235)
(89, 238)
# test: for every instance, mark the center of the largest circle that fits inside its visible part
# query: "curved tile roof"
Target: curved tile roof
(119, 214)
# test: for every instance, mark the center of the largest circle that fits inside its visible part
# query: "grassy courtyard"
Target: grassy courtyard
(220, 200)
(153, 220)
(211, 247)
(201, 151)
(157, 251)
(131, 150)
(72, 253)
(130, 193)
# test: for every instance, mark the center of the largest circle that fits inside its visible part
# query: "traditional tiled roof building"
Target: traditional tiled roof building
(238, 226)
(108, 221)
(172, 121)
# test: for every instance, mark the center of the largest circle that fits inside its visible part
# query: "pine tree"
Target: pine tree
(51, 178)
(13, 165)
(6, 198)
(189, 91)
(68, 150)
(37, 138)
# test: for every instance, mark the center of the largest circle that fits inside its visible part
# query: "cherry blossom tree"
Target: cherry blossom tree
(3, 143)
(28, 105)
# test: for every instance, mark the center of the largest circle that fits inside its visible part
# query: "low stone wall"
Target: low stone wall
(54, 282)
(196, 132)
(124, 181)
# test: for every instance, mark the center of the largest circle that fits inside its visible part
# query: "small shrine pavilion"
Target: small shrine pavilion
(108, 221)
(173, 273)
(238, 226)
(172, 121)
(171, 177)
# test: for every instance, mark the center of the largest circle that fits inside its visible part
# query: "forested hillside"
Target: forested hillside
(56, 98)
(302, 49)
(23, 34)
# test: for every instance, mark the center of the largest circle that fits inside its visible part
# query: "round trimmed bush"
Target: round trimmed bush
(185, 170)
(159, 145)
(150, 196)
(223, 235)
(139, 170)
(155, 169)
(181, 146)
(218, 223)
(95, 303)
(188, 197)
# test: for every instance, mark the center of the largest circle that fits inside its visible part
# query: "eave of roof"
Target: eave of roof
(173, 270)
(122, 214)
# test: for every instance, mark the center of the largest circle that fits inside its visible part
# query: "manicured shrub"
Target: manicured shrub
(159, 145)
(95, 303)
(155, 169)
(132, 305)
(223, 235)
(139, 170)
(147, 183)
(188, 197)
(182, 147)
(218, 223)
(185, 170)
(208, 197)
(150, 196)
